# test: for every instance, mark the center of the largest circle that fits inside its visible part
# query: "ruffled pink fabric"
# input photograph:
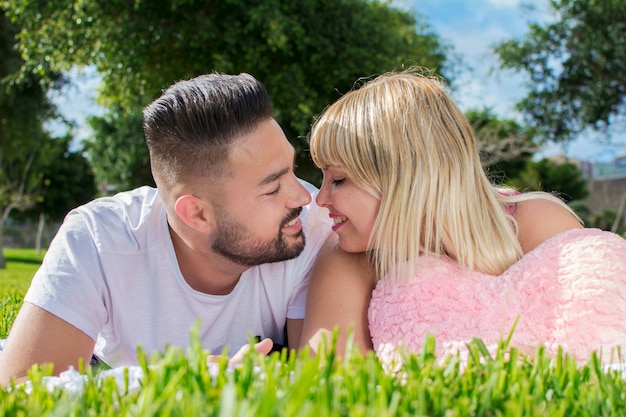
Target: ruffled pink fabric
(570, 291)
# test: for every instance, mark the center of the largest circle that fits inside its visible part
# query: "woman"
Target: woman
(456, 256)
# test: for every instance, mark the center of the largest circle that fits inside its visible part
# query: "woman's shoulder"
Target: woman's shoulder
(539, 219)
(333, 262)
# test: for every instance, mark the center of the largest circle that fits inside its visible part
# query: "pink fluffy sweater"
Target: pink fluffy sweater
(570, 291)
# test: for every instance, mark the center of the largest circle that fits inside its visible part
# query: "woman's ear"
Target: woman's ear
(196, 213)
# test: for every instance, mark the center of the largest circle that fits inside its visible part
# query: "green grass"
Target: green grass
(178, 383)
(21, 266)
(14, 281)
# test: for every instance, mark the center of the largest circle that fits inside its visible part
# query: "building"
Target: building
(607, 185)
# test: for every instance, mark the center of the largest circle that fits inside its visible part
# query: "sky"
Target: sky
(471, 28)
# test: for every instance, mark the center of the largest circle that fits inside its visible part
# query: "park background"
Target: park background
(49, 164)
(96, 81)
(472, 28)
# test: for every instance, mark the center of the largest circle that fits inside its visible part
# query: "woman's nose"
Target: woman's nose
(322, 198)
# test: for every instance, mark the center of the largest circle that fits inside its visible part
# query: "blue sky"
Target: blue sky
(471, 28)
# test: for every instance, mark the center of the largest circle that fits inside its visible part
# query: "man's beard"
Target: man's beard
(235, 242)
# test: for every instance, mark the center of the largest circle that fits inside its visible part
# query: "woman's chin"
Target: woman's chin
(350, 247)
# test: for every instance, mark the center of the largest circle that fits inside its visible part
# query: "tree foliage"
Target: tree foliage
(306, 52)
(24, 107)
(507, 149)
(504, 145)
(67, 179)
(576, 67)
(564, 178)
(117, 151)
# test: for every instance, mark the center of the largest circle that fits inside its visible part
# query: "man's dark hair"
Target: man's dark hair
(190, 128)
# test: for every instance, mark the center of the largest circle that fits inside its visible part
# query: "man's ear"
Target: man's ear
(196, 213)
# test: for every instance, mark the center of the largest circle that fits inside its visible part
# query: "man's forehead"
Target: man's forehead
(262, 159)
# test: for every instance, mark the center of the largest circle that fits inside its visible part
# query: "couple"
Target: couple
(222, 238)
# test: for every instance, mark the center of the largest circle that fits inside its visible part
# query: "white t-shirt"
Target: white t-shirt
(111, 271)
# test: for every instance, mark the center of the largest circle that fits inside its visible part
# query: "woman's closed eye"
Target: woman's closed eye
(338, 181)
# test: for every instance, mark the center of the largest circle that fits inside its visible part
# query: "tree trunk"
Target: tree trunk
(40, 228)
(3, 262)
(620, 213)
(4, 215)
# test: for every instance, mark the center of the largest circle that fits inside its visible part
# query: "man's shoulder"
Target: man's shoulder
(130, 204)
(135, 215)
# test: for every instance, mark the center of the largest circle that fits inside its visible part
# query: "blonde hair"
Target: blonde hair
(401, 137)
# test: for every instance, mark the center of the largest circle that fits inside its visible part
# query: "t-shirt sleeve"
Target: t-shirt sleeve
(70, 282)
(317, 228)
(296, 307)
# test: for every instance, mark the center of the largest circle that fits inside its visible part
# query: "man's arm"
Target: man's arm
(339, 293)
(39, 337)
(294, 332)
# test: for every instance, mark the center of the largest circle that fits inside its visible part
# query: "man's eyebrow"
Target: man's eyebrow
(273, 177)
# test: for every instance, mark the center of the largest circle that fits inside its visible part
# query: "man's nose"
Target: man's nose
(300, 196)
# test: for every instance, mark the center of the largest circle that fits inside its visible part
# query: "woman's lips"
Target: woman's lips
(338, 221)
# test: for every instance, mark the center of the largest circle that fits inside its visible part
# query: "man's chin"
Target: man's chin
(294, 250)
(298, 242)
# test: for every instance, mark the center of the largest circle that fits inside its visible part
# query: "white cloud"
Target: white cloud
(505, 3)
(480, 84)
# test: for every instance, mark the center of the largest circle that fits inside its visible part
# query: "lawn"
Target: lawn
(21, 266)
(179, 383)
(14, 281)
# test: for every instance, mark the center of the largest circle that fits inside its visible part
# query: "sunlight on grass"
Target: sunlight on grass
(21, 267)
(14, 282)
(178, 382)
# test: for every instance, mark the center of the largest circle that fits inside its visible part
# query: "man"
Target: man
(221, 239)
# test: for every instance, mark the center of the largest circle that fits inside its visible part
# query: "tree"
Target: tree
(24, 106)
(67, 178)
(117, 150)
(504, 145)
(67, 181)
(306, 52)
(507, 149)
(547, 175)
(575, 67)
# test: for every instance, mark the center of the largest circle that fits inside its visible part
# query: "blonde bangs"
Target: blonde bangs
(328, 143)
(341, 137)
